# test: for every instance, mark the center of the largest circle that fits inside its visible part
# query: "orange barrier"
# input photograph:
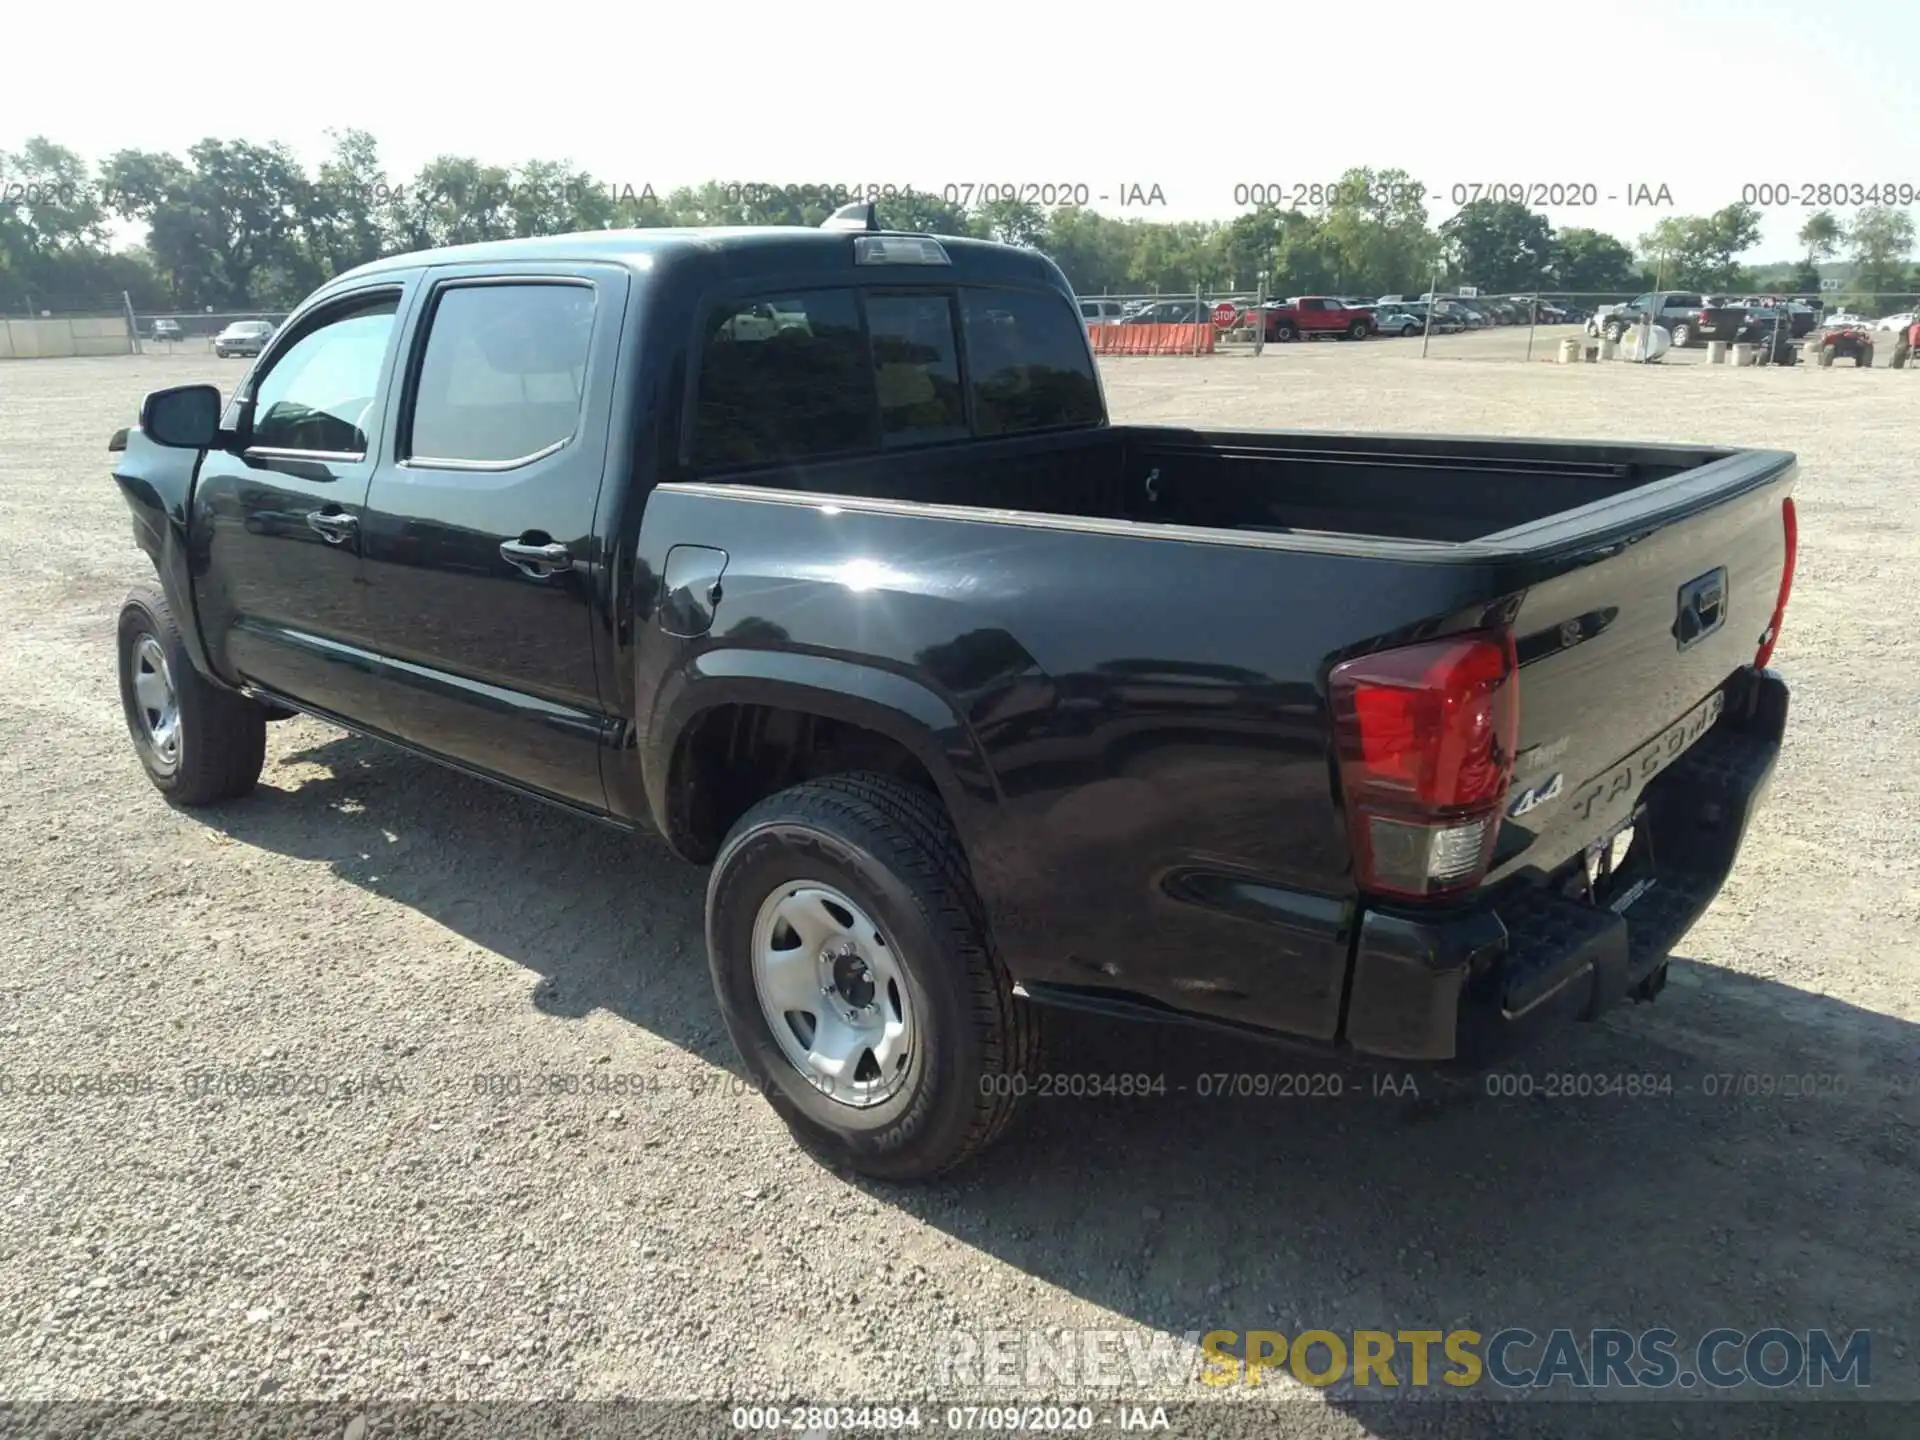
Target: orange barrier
(1151, 339)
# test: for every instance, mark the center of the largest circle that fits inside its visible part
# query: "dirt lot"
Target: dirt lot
(395, 1230)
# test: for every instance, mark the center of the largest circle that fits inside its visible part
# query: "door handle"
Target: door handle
(538, 561)
(334, 529)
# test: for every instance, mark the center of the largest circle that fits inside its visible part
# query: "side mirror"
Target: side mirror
(185, 417)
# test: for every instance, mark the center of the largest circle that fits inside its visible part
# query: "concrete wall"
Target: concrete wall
(47, 339)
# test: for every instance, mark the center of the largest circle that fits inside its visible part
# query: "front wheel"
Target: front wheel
(198, 742)
(1409, 330)
(1864, 360)
(854, 969)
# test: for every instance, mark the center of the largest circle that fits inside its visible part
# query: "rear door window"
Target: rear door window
(1028, 361)
(503, 373)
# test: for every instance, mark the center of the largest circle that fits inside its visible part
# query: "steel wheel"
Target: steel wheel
(831, 989)
(157, 702)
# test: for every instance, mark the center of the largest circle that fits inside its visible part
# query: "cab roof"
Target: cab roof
(706, 254)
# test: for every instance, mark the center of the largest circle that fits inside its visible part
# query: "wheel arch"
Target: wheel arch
(159, 503)
(736, 725)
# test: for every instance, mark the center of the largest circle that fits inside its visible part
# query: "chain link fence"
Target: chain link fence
(205, 332)
(44, 333)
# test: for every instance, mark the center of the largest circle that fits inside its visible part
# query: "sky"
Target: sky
(1196, 100)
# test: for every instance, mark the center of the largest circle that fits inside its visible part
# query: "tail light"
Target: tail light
(1791, 523)
(1701, 318)
(1425, 737)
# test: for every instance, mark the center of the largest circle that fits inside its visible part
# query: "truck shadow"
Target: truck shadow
(1741, 1153)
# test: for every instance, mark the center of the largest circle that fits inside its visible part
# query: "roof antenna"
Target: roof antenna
(861, 215)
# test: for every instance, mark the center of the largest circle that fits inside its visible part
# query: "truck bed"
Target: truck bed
(1178, 691)
(1418, 488)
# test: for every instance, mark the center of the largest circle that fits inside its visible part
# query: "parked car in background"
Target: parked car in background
(243, 337)
(1302, 317)
(1445, 322)
(1850, 319)
(1677, 311)
(1393, 320)
(1597, 321)
(1170, 312)
(1723, 318)
(765, 320)
(1103, 312)
(168, 330)
(1896, 323)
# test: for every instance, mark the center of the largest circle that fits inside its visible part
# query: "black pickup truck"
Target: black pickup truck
(1751, 321)
(814, 552)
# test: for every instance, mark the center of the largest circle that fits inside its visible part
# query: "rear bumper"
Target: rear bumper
(1472, 987)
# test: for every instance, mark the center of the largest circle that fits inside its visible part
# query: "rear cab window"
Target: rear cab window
(834, 372)
(916, 369)
(1028, 363)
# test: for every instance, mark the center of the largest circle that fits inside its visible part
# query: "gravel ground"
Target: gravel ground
(408, 944)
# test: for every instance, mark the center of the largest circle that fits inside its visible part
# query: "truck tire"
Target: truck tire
(1682, 335)
(200, 743)
(1613, 330)
(1283, 332)
(859, 882)
(1358, 330)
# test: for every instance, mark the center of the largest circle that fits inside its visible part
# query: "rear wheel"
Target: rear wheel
(1864, 360)
(854, 970)
(1357, 330)
(199, 743)
(1682, 336)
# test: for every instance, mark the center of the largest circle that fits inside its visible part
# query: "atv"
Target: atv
(1840, 342)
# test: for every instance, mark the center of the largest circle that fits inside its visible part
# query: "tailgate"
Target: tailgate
(1623, 656)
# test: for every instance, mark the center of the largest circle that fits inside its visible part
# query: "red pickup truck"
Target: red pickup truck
(1304, 316)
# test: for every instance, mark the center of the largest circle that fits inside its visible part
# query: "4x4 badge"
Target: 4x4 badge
(1533, 799)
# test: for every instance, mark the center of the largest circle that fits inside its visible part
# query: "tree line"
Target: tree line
(234, 226)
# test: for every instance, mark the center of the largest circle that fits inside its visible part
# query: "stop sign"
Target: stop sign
(1224, 314)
